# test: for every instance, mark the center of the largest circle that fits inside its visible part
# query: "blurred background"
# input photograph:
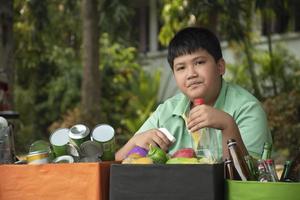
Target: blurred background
(64, 62)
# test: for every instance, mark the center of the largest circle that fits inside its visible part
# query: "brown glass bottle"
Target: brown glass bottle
(238, 161)
(229, 173)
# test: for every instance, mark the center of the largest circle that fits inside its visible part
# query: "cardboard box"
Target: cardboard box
(164, 182)
(248, 190)
(77, 181)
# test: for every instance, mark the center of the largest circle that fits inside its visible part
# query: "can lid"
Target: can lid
(64, 159)
(103, 133)
(78, 131)
(91, 149)
(60, 137)
(198, 101)
(269, 161)
(40, 152)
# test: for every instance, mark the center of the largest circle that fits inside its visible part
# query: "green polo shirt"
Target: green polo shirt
(245, 109)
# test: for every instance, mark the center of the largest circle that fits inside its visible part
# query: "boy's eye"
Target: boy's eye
(199, 62)
(179, 68)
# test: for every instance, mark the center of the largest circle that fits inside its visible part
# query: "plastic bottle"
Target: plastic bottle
(271, 169)
(238, 161)
(263, 173)
(204, 141)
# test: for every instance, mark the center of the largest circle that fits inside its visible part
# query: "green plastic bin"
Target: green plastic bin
(246, 190)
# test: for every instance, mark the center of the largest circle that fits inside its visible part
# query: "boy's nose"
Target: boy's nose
(191, 72)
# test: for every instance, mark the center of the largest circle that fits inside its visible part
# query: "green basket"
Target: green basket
(246, 190)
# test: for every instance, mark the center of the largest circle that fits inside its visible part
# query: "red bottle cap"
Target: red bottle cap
(199, 101)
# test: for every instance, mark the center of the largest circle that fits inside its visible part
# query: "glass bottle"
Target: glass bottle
(229, 173)
(294, 173)
(267, 150)
(252, 166)
(285, 172)
(238, 161)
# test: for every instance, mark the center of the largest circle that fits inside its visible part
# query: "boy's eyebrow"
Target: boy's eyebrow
(193, 59)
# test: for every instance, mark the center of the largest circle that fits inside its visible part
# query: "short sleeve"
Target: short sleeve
(252, 122)
(152, 121)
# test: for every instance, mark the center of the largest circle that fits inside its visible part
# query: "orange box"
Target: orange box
(77, 181)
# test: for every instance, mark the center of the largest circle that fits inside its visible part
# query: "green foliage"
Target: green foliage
(129, 94)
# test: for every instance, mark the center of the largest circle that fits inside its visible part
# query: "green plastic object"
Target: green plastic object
(246, 190)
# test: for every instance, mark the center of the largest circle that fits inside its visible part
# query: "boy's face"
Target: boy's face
(198, 75)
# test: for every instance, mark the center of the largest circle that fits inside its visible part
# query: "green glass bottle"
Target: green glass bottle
(286, 170)
(267, 150)
(294, 172)
(252, 166)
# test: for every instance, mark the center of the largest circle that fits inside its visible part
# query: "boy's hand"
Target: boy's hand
(153, 137)
(206, 116)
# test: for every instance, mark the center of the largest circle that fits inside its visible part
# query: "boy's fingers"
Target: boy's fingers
(160, 142)
(163, 137)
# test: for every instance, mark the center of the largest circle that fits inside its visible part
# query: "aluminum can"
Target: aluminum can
(38, 157)
(78, 134)
(105, 135)
(59, 140)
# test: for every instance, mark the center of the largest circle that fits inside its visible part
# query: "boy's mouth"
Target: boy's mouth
(194, 84)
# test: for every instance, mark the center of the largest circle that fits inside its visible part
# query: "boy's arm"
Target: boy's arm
(249, 127)
(206, 116)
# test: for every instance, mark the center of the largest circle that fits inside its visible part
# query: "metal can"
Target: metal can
(91, 151)
(38, 157)
(59, 140)
(105, 135)
(78, 134)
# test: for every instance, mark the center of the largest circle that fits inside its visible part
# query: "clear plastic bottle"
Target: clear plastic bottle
(204, 141)
(263, 173)
(271, 169)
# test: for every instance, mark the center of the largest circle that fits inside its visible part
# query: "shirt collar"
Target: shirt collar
(182, 106)
(219, 104)
(184, 103)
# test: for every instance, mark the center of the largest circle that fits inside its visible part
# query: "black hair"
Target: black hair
(190, 40)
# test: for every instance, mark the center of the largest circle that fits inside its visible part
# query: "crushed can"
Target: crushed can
(78, 134)
(37, 157)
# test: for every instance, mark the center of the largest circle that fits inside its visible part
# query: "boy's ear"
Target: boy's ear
(221, 66)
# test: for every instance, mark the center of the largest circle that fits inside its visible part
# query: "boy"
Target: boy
(195, 57)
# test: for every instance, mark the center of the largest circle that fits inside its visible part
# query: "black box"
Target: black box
(164, 182)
